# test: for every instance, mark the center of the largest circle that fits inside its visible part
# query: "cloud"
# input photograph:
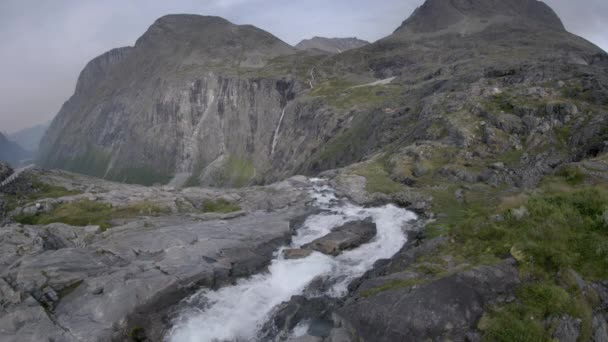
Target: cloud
(45, 44)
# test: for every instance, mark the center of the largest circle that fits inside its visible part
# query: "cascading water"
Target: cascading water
(237, 313)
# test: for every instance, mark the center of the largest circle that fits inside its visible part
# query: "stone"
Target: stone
(444, 309)
(296, 253)
(600, 329)
(348, 236)
(567, 330)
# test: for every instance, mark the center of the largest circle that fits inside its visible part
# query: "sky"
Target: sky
(46, 43)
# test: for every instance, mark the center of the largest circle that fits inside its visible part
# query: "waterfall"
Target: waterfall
(275, 138)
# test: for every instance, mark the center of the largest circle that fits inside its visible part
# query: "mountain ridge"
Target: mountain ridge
(331, 45)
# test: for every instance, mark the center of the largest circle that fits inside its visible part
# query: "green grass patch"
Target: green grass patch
(562, 230)
(38, 191)
(572, 175)
(343, 94)
(86, 212)
(394, 284)
(220, 206)
(236, 173)
(378, 178)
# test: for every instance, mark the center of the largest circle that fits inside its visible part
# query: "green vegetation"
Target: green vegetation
(564, 228)
(236, 172)
(554, 232)
(86, 212)
(395, 284)
(378, 179)
(572, 174)
(220, 206)
(343, 94)
(39, 190)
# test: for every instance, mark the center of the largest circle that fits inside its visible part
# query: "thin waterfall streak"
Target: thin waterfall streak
(275, 138)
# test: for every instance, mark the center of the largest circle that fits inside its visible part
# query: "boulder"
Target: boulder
(296, 253)
(348, 236)
(445, 309)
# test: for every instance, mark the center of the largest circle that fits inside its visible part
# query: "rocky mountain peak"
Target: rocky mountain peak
(331, 45)
(449, 15)
(191, 32)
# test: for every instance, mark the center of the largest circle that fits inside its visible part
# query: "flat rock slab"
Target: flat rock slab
(90, 284)
(296, 253)
(348, 236)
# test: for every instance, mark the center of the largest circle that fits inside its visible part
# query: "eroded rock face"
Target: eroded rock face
(448, 308)
(348, 236)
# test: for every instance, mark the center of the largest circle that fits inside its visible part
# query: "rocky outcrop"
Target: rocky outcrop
(467, 15)
(348, 236)
(69, 283)
(331, 45)
(448, 308)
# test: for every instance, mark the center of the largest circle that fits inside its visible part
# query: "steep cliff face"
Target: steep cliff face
(174, 104)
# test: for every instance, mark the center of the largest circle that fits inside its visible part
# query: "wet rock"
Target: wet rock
(296, 253)
(351, 186)
(316, 311)
(446, 309)
(348, 236)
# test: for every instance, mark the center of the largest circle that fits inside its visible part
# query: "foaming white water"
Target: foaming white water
(236, 313)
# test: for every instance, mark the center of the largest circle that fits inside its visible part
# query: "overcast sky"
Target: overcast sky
(46, 43)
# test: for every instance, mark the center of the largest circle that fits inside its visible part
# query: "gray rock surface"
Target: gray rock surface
(446, 309)
(348, 236)
(568, 329)
(70, 283)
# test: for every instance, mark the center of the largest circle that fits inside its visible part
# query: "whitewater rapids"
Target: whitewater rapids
(238, 312)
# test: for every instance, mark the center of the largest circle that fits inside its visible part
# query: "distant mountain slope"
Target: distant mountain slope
(203, 101)
(331, 45)
(29, 138)
(174, 103)
(11, 152)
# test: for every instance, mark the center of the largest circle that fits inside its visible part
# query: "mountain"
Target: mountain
(459, 15)
(472, 142)
(178, 102)
(11, 152)
(29, 138)
(331, 45)
(201, 101)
